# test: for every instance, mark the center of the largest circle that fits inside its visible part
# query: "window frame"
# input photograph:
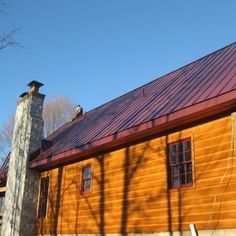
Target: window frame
(42, 214)
(83, 180)
(184, 163)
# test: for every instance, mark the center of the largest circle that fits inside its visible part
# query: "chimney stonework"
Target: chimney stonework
(22, 182)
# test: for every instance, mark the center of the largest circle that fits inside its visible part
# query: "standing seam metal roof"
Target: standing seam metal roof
(206, 78)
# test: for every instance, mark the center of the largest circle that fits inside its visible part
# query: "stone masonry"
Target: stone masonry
(22, 182)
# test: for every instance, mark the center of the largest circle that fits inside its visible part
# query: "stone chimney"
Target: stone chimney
(22, 182)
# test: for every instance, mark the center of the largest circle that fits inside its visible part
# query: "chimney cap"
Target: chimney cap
(34, 86)
(35, 83)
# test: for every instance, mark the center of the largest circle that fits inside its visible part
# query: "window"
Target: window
(43, 198)
(86, 178)
(2, 202)
(180, 164)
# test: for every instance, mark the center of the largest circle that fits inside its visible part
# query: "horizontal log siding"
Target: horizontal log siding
(129, 188)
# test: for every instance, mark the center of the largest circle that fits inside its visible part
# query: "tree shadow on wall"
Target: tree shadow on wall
(132, 163)
(55, 205)
(134, 160)
(56, 197)
(99, 218)
(135, 208)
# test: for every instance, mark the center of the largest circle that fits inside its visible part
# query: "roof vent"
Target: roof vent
(78, 112)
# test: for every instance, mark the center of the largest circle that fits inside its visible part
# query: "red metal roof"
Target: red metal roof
(198, 83)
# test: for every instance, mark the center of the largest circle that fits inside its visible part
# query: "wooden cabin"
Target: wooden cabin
(152, 161)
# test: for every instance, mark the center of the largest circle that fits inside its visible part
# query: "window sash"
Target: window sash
(180, 163)
(86, 178)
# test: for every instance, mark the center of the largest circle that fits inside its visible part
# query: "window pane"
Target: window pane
(173, 149)
(87, 184)
(87, 172)
(187, 156)
(187, 145)
(183, 179)
(175, 181)
(2, 200)
(189, 178)
(180, 147)
(189, 167)
(173, 160)
(182, 169)
(175, 170)
(180, 157)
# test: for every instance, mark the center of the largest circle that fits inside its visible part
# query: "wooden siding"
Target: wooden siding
(129, 188)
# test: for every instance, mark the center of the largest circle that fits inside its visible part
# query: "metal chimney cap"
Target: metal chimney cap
(34, 85)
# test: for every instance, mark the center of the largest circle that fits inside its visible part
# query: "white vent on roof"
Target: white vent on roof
(78, 112)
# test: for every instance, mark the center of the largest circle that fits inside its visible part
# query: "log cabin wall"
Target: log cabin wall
(130, 188)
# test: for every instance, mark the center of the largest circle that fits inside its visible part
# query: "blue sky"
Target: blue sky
(93, 51)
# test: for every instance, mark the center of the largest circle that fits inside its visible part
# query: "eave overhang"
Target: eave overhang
(217, 105)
